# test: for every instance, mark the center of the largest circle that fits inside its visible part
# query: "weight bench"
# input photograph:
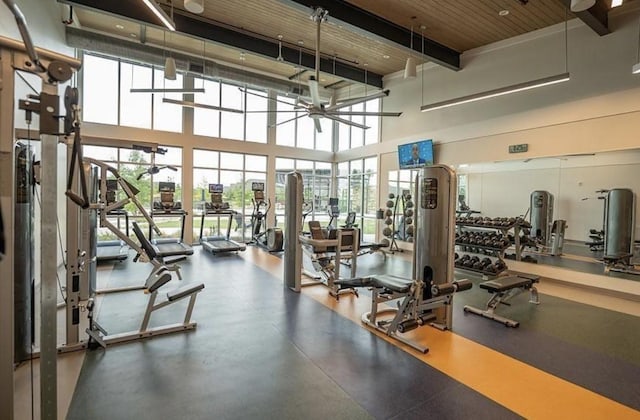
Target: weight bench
(160, 256)
(415, 309)
(99, 336)
(504, 289)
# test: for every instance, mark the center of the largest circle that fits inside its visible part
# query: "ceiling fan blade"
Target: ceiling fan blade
(273, 111)
(289, 120)
(316, 121)
(315, 93)
(347, 122)
(365, 114)
(265, 97)
(359, 100)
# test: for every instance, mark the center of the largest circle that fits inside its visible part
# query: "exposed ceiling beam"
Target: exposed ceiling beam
(136, 11)
(596, 17)
(365, 22)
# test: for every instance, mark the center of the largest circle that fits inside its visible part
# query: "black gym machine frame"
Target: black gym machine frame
(270, 239)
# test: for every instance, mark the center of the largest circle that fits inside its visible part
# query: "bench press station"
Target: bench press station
(504, 289)
(160, 275)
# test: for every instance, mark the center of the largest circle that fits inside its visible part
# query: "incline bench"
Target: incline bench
(504, 289)
(160, 275)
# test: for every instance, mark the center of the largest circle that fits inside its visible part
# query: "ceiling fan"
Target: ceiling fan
(316, 109)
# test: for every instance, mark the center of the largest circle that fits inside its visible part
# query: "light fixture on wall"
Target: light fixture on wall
(581, 5)
(194, 6)
(616, 3)
(410, 66)
(160, 14)
(519, 87)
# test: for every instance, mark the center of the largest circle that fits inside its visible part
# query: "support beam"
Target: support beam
(596, 17)
(361, 21)
(226, 36)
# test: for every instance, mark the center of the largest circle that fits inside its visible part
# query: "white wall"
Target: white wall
(597, 110)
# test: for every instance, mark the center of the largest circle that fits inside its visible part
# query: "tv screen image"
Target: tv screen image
(415, 155)
(216, 188)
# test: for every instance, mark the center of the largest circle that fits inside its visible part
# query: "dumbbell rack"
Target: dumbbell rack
(503, 227)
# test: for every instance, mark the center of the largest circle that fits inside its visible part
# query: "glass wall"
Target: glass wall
(133, 166)
(358, 192)
(107, 96)
(296, 129)
(349, 136)
(249, 125)
(316, 178)
(236, 172)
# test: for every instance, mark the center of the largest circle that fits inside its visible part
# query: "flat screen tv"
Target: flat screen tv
(415, 155)
(216, 188)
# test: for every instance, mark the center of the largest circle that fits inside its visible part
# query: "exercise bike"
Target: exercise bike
(271, 239)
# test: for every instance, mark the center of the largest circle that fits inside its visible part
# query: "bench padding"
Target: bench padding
(502, 284)
(183, 291)
(386, 281)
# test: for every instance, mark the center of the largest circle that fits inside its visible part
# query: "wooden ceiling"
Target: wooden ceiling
(460, 25)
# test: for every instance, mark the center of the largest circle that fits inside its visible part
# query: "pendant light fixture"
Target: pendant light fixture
(410, 66)
(581, 5)
(170, 63)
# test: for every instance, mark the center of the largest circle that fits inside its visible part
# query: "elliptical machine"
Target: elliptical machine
(270, 239)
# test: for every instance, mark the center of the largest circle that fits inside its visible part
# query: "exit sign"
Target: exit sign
(518, 148)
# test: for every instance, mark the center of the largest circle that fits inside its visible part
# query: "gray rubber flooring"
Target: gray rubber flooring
(260, 351)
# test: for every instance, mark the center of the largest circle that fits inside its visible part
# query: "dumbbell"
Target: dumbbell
(486, 261)
(491, 268)
(465, 257)
(500, 265)
(455, 256)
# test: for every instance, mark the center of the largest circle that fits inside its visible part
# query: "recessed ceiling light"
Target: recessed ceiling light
(118, 26)
(385, 56)
(132, 35)
(504, 12)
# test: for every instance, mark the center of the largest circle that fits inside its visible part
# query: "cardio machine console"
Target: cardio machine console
(258, 191)
(167, 203)
(216, 202)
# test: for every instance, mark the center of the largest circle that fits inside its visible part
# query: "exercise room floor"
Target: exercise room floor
(261, 351)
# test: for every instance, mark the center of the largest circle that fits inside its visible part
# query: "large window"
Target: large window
(358, 192)
(316, 177)
(134, 164)
(251, 125)
(296, 129)
(350, 137)
(236, 172)
(107, 96)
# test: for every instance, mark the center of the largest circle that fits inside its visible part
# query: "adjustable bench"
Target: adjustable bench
(99, 335)
(415, 308)
(504, 289)
(160, 256)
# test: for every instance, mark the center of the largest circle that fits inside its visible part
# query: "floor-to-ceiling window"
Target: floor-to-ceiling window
(349, 136)
(358, 191)
(107, 96)
(236, 172)
(134, 166)
(294, 128)
(316, 177)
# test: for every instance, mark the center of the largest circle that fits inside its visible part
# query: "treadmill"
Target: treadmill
(167, 207)
(115, 249)
(218, 244)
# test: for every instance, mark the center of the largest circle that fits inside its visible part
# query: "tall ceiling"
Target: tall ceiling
(361, 40)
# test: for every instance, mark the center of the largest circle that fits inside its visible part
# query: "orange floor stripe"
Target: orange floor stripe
(524, 389)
